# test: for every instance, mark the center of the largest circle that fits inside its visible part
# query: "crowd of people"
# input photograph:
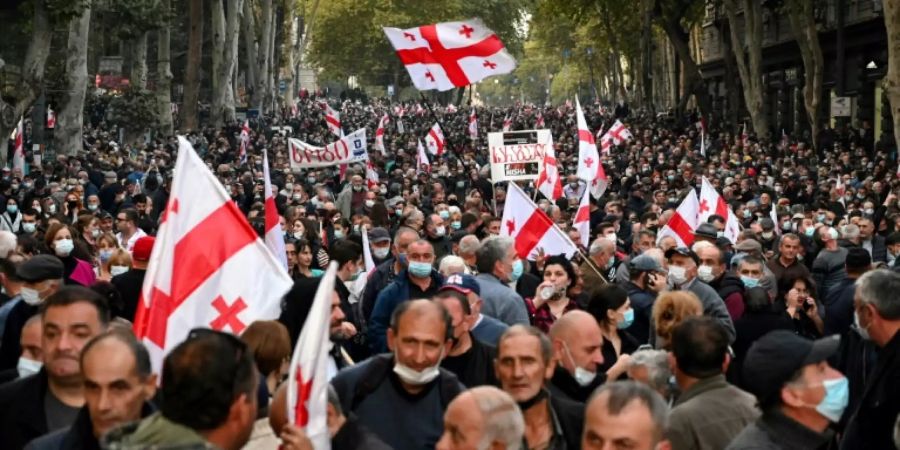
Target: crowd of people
(782, 339)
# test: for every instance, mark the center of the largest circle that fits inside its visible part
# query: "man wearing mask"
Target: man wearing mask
(712, 271)
(118, 386)
(42, 276)
(498, 264)
(386, 272)
(799, 393)
(877, 317)
(380, 242)
(577, 343)
(767, 237)
(601, 257)
(50, 400)
(436, 234)
(647, 280)
(401, 396)
(683, 264)
(130, 283)
(524, 364)
(353, 196)
(873, 243)
(419, 280)
(828, 269)
(468, 358)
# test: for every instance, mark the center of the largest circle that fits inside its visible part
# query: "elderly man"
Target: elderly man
(468, 249)
(601, 257)
(352, 197)
(498, 264)
(872, 242)
(482, 417)
(625, 414)
(714, 271)
(651, 367)
(42, 276)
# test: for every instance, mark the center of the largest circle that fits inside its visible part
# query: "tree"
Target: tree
(164, 77)
(749, 61)
(677, 17)
(261, 91)
(892, 80)
(226, 30)
(68, 133)
(191, 99)
(802, 16)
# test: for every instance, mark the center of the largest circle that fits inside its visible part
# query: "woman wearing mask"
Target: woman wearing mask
(58, 240)
(107, 244)
(455, 218)
(11, 219)
(612, 309)
(797, 298)
(312, 234)
(551, 299)
(88, 227)
(72, 207)
(119, 262)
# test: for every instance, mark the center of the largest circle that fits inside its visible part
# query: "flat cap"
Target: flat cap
(40, 268)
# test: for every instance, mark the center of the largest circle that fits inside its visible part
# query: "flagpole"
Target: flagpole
(440, 124)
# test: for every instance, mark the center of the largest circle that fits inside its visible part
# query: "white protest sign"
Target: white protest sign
(517, 155)
(347, 150)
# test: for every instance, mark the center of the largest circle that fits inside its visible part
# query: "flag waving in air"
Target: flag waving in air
(713, 203)
(435, 140)
(582, 220)
(274, 232)
(307, 383)
(379, 134)
(18, 138)
(548, 181)
(683, 223)
(208, 267)
(507, 124)
(333, 119)
(589, 167)
(473, 125)
(245, 142)
(422, 163)
(450, 54)
(532, 228)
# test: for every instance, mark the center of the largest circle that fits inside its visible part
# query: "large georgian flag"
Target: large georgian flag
(531, 228)
(713, 203)
(450, 54)
(208, 267)
(590, 169)
(683, 223)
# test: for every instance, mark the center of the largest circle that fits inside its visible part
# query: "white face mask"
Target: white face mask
(117, 270)
(440, 231)
(381, 253)
(705, 273)
(63, 247)
(30, 296)
(582, 376)
(864, 333)
(677, 275)
(27, 367)
(411, 376)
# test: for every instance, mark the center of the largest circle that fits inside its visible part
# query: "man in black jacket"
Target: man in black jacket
(130, 283)
(468, 358)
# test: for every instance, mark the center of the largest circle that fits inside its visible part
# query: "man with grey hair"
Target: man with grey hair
(7, 243)
(651, 367)
(498, 265)
(468, 249)
(452, 264)
(482, 417)
(877, 318)
(601, 257)
(626, 413)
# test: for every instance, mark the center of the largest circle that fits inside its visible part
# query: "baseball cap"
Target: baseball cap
(462, 283)
(379, 234)
(776, 357)
(644, 263)
(142, 248)
(683, 251)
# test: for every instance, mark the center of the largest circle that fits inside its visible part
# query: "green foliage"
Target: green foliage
(132, 18)
(133, 106)
(62, 11)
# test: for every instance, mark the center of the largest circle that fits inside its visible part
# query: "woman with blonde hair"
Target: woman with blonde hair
(107, 244)
(669, 310)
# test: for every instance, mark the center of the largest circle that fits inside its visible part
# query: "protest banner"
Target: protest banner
(517, 155)
(346, 150)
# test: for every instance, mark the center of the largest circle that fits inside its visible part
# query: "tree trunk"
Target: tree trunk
(68, 132)
(191, 100)
(803, 22)
(307, 19)
(248, 30)
(31, 83)
(647, 55)
(164, 77)
(138, 76)
(679, 37)
(233, 33)
(892, 80)
(749, 61)
(218, 52)
(263, 55)
(732, 89)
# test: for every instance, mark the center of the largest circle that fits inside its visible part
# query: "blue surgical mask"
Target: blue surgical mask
(12, 209)
(517, 268)
(837, 395)
(105, 254)
(810, 232)
(628, 320)
(749, 282)
(419, 269)
(444, 214)
(338, 234)
(456, 224)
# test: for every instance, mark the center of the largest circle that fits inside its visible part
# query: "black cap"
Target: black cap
(40, 268)
(776, 357)
(683, 251)
(706, 230)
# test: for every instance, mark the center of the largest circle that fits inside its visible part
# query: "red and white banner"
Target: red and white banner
(51, 118)
(713, 203)
(683, 223)
(531, 228)
(346, 150)
(307, 383)
(18, 137)
(274, 232)
(245, 142)
(450, 54)
(379, 134)
(208, 267)
(435, 140)
(473, 125)
(549, 182)
(507, 124)
(371, 175)
(619, 133)
(333, 119)
(582, 220)
(589, 167)
(517, 155)
(422, 163)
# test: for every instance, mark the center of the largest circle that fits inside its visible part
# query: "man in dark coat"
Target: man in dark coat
(129, 284)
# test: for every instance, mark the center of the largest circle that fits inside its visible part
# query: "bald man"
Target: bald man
(577, 346)
(482, 417)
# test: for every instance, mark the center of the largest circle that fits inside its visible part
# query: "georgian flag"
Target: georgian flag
(371, 175)
(435, 140)
(245, 142)
(549, 181)
(582, 220)
(473, 125)
(379, 134)
(208, 267)
(450, 54)
(18, 138)
(683, 223)
(539, 122)
(589, 167)
(507, 124)
(619, 133)
(333, 119)
(532, 228)
(274, 232)
(422, 163)
(51, 118)
(713, 203)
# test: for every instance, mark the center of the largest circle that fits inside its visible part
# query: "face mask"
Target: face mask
(837, 395)
(117, 270)
(51, 208)
(419, 269)
(582, 376)
(12, 209)
(766, 235)
(91, 207)
(517, 268)
(411, 376)
(29, 227)
(398, 212)
(338, 234)
(358, 188)
(27, 367)
(381, 253)
(749, 282)
(833, 233)
(720, 234)
(610, 262)
(440, 231)
(863, 332)
(705, 273)
(786, 226)
(627, 321)
(810, 232)
(444, 214)
(820, 218)
(95, 233)
(677, 275)
(37, 209)
(748, 214)
(370, 203)
(105, 254)
(611, 237)
(298, 234)
(456, 224)
(63, 247)
(30, 296)
(311, 180)
(869, 211)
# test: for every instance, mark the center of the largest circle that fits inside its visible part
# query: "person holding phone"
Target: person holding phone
(802, 307)
(647, 279)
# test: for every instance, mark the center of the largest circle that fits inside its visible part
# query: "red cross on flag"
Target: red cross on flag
(473, 125)
(713, 203)
(589, 167)
(379, 134)
(683, 223)
(450, 54)
(333, 119)
(208, 267)
(18, 139)
(548, 181)
(307, 383)
(619, 133)
(532, 228)
(435, 140)
(422, 163)
(274, 232)
(51, 118)
(582, 220)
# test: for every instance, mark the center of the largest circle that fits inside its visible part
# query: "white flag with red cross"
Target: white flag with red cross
(371, 175)
(473, 125)
(683, 223)
(435, 140)
(532, 228)
(333, 120)
(450, 54)
(549, 182)
(208, 267)
(582, 220)
(245, 142)
(422, 163)
(274, 232)
(307, 383)
(379, 134)
(589, 167)
(619, 133)
(713, 203)
(507, 124)
(18, 138)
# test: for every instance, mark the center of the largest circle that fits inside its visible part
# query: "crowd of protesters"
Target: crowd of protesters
(783, 339)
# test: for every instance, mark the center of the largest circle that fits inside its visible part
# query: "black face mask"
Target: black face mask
(527, 404)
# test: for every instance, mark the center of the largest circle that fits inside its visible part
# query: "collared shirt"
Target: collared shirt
(557, 439)
(542, 317)
(129, 244)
